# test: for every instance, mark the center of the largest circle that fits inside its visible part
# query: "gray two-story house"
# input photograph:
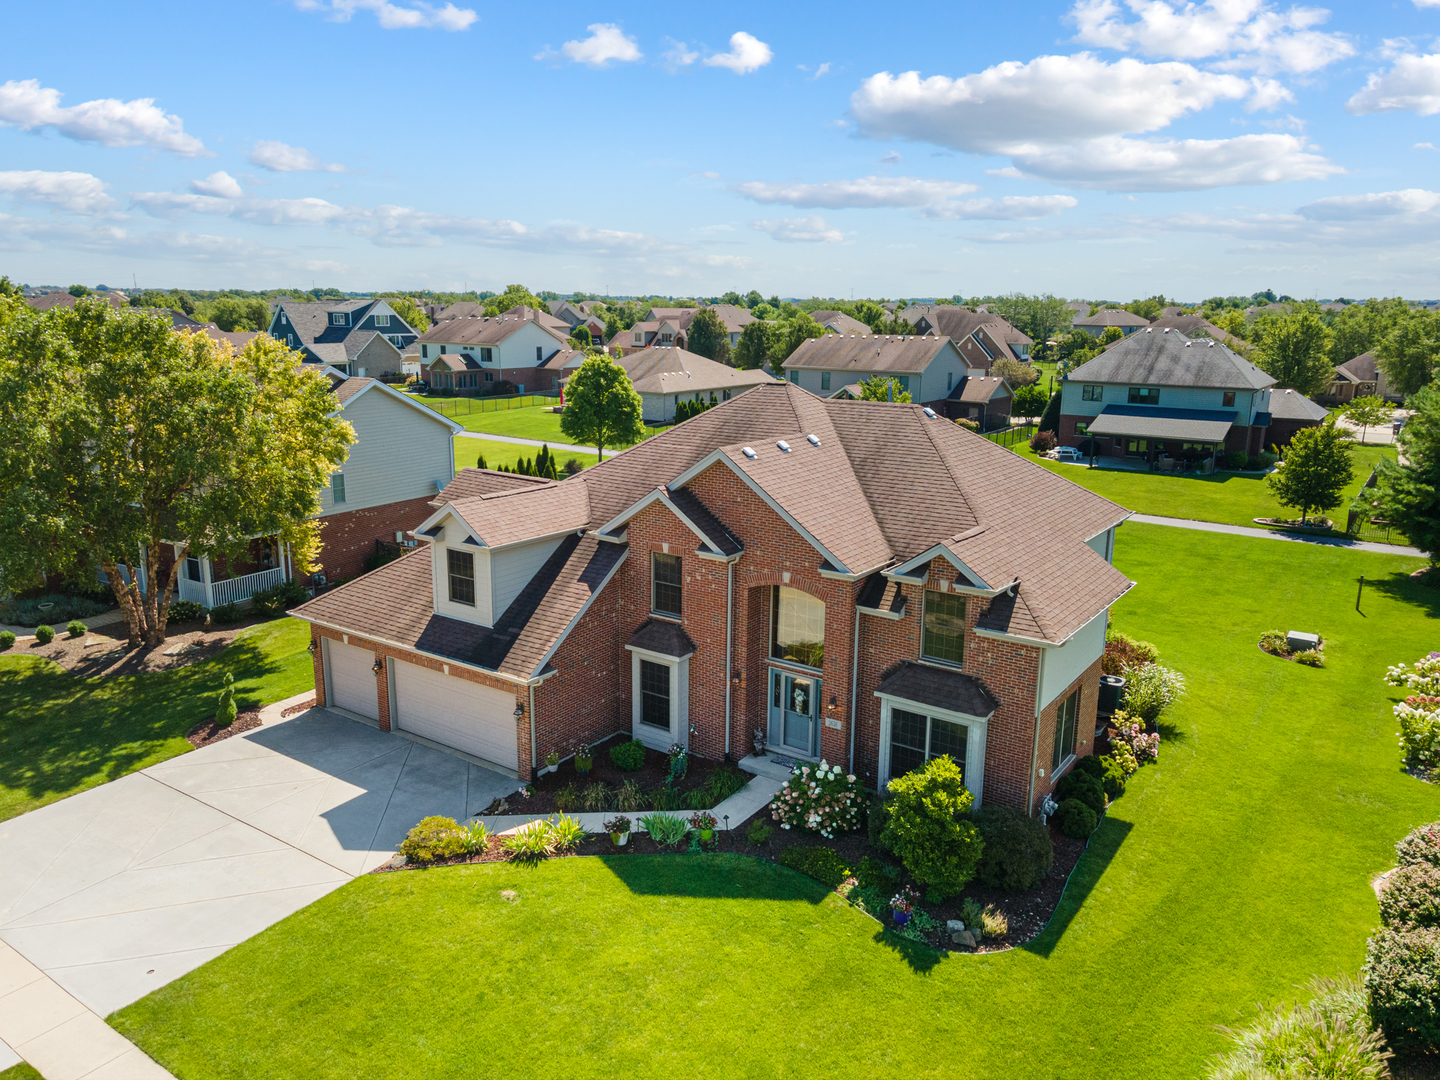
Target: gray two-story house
(1160, 395)
(928, 368)
(360, 337)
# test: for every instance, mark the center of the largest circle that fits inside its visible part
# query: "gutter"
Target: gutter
(1035, 746)
(854, 680)
(729, 645)
(533, 758)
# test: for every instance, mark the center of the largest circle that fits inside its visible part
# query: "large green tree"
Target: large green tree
(1360, 327)
(1014, 372)
(1410, 351)
(790, 336)
(119, 436)
(882, 388)
(753, 349)
(708, 336)
(602, 407)
(234, 313)
(1039, 317)
(1315, 471)
(407, 310)
(1409, 490)
(1295, 351)
(514, 296)
(1368, 412)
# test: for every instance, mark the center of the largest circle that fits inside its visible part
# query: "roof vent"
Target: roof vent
(749, 453)
(1187, 344)
(929, 412)
(1149, 330)
(1166, 330)
(813, 440)
(784, 446)
(1211, 345)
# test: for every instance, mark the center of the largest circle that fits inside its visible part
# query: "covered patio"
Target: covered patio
(1166, 440)
(214, 585)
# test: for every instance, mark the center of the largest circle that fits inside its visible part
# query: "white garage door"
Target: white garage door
(352, 678)
(455, 712)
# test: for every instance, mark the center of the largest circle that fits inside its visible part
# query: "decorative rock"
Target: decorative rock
(964, 937)
(954, 926)
(398, 861)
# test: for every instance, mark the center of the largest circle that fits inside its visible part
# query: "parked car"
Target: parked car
(1066, 453)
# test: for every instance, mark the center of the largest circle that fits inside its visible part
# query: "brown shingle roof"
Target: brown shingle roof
(525, 513)
(669, 370)
(979, 389)
(951, 690)
(481, 331)
(1111, 317)
(870, 352)
(469, 483)
(662, 636)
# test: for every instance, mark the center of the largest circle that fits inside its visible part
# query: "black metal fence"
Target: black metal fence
(465, 406)
(1008, 437)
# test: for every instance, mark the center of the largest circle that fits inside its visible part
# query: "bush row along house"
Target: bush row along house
(762, 568)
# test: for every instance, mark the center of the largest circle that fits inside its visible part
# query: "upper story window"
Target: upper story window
(667, 336)
(424, 352)
(461, 566)
(339, 318)
(337, 488)
(797, 627)
(283, 321)
(903, 381)
(665, 584)
(795, 377)
(1144, 395)
(824, 380)
(539, 356)
(1065, 716)
(396, 340)
(382, 320)
(487, 356)
(944, 634)
(1092, 392)
(639, 337)
(1227, 399)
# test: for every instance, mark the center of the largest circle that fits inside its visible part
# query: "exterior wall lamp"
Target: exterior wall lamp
(519, 710)
(378, 666)
(310, 648)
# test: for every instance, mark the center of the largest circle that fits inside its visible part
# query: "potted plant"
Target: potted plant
(619, 829)
(583, 761)
(902, 904)
(552, 761)
(704, 824)
(760, 742)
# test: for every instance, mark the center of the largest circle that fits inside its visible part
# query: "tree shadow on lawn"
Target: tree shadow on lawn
(1105, 841)
(1407, 590)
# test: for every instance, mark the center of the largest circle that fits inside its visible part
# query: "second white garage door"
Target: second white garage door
(352, 678)
(477, 719)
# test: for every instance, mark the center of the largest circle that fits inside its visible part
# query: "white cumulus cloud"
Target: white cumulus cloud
(415, 15)
(866, 192)
(607, 44)
(77, 192)
(1239, 34)
(813, 229)
(1412, 84)
(276, 156)
(1008, 208)
(108, 121)
(1119, 164)
(678, 55)
(1410, 203)
(747, 53)
(220, 184)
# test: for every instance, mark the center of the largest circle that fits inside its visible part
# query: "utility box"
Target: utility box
(1301, 642)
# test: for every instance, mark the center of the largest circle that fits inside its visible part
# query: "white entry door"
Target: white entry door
(477, 719)
(352, 678)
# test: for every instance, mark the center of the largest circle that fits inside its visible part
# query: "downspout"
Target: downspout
(729, 645)
(1035, 747)
(854, 681)
(532, 731)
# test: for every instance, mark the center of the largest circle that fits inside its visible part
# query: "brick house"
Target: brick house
(986, 399)
(863, 582)
(1159, 394)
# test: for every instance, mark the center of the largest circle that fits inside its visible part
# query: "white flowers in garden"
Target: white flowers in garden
(820, 799)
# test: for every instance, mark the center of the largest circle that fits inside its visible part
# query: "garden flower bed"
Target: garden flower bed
(628, 791)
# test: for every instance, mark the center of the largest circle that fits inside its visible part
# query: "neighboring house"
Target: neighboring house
(851, 578)
(986, 399)
(928, 368)
(59, 298)
(1194, 326)
(840, 323)
(1160, 394)
(664, 377)
(981, 337)
(733, 318)
(400, 459)
(1098, 322)
(464, 354)
(238, 338)
(1357, 378)
(558, 367)
(1290, 411)
(662, 331)
(573, 315)
(677, 314)
(358, 337)
(1171, 312)
(1080, 309)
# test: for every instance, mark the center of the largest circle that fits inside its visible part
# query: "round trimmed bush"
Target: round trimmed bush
(1402, 973)
(1421, 845)
(1411, 897)
(7, 639)
(1081, 785)
(77, 628)
(1092, 765)
(1113, 779)
(44, 634)
(1018, 852)
(1077, 820)
(629, 756)
(185, 611)
(928, 826)
(434, 838)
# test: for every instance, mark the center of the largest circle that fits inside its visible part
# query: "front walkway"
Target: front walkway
(1275, 534)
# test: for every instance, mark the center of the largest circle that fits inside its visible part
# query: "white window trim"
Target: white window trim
(474, 580)
(977, 726)
(382, 320)
(679, 700)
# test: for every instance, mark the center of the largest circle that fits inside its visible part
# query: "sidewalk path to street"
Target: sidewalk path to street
(569, 448)
(1271, 534)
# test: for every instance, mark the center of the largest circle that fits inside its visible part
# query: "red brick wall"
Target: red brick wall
(588, 698)
(348, 537)
(1089, 685)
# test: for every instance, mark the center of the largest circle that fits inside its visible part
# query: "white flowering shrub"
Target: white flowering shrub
(1421, 677)
(1419, 717)
(1151, 690)
(821, 799)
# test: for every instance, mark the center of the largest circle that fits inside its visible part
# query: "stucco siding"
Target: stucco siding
(399, 453)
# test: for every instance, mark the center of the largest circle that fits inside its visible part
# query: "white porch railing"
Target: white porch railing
(194, 591)
(242, 588)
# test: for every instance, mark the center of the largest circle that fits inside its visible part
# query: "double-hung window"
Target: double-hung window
(665, 584)
(944, 634)
(1227, 399)
(824, 380)
(337, 488)
(382, 320)
(1144, 395)
(1092, 392)
(461, 566)
(654, 695)
(1065, 716)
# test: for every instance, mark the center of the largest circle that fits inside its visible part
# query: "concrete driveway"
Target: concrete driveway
(114, 892)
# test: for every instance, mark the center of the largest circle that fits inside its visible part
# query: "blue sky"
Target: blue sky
(1099, 148)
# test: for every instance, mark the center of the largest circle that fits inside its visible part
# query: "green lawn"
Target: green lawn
(23, 1071)
(530, 422)
(1232, 498)
(468, 451)
(1228, 874)
(60, 734)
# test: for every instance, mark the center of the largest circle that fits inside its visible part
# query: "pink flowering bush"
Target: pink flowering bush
(1145, 745)
(819, 799)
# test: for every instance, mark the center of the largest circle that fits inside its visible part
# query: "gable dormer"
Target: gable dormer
(339, 318)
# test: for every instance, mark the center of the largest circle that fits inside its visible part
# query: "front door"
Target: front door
(794, 700)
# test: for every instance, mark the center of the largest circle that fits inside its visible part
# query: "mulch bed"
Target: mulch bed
(203, 734)
(1415, 1067)
(105, 652)
(294, 709)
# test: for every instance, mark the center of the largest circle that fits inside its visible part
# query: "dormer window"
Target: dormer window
(461, 565)
(382, 320)
(339, 318)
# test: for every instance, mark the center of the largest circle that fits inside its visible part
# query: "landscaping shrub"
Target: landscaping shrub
(1042, 442)
(1421, 847)
(929, 826)
(477, 836)
(968, 424)
(1114, 775)
(569, 798)
(44, 634)
(821, 799)
(1311, 658)
(1421, 677)
(567, 833)
(665, 829)
(225, 614)
(1151, 690)
(1081, 785)
(1090, 764)
(871, 899)
(972, 914)
(993, 922)
(721, 784)
(1255, 463)
(876, 818)
(630, 796)
(1275, 642)
(64, 608)
(278, 598)
(665, 798)
(1411, 897)
(872, 871)
(825, 865)
(1124, 757)
(1235, 460)
(434, 838)
(7, 640)
(597, 797)
(1144, 746)
(1018, 852)
(1419, 716)
(629, 756)
(1123, 653)
(184, 611)
(759, 832)
(1402, 973)
(225, 709)
(77, 628)
(530, 843)
(1331, 1036)
(1077, 820)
